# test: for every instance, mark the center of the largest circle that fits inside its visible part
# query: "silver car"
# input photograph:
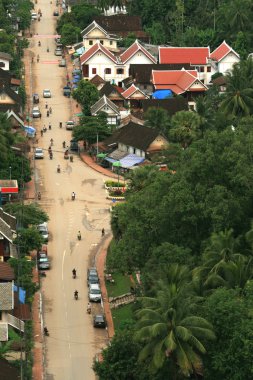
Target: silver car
(43, 230)
(94, 293)
(38, 153)
(44, 263)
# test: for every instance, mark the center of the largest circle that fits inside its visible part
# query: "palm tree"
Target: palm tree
(239, 94)
(185, 127)
(170, 331)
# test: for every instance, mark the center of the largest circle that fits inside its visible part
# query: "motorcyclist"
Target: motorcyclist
(60, 124)
(88, 308)
(74, 273)
(58, 169)
(64, 144)
(73, 195)
(50, 109)
(76, 294)
(79, 236)
(39, 43)
(46, 331)
(51, 155)
(39, 196)
(51, 141)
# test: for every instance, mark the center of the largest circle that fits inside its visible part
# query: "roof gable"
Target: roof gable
(192, 55)
(92, 26)
(93, 50)
(133, 49)
(104, 101)
(97, 80)
(109, 89)
(131, 91)
(12, 94)
(222, 51)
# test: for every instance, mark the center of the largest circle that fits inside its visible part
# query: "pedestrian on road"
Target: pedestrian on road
(41, 133)
(50, 110)
(60, 124)
(103, 232)
(46, 105)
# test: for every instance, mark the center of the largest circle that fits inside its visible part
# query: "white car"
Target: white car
(70, 125)
(46, 93)
(36, 112)
(38, 153)
(34, 16)
(43, 230)
(94, 293)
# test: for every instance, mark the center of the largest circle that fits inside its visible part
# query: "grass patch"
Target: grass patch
(122, 316)
(121, 285)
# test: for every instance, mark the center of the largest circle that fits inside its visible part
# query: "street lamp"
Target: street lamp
(10, 172)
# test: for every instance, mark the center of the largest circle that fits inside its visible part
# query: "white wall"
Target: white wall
(227, 63)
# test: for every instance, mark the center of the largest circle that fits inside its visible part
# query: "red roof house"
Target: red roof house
(94, 50)
(222, 51)
(177, 55)
(178, 81)
(134, 49)
(134, 95)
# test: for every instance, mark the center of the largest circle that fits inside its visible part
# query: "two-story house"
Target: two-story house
(94, 34)
(107, 106)
(197, 57)
(224, 57)
(98, 60)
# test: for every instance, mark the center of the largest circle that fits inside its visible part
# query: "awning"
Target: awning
(117, 154)
(109, 159)
(131, 160)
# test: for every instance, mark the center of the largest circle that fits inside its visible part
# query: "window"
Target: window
(108, 70)
(94, 70)
(111, 42)
(202, 69)
(2, 64)
(90, 42)
(208, 69)
(120, 71)
(102, 42)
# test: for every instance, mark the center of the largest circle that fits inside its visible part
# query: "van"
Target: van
(36, 112)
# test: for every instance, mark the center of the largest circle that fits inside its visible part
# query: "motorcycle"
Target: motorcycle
(79, 237)
(89, 308)
(46, 333)
(64, 144)
(76, 295)
(71, 158)
(51, 155)
(73, 196)
(39, 43)
(39, 196)
(58, 169)
(74, 273)
(60, 125)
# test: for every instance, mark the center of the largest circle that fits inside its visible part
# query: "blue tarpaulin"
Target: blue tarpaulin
(80, 51)
(131, 160)
(21, 295)
(30, 130)
(162, 94)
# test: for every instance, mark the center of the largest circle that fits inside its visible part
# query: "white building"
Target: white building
(5, 59)
(224, 57)
(94, 34)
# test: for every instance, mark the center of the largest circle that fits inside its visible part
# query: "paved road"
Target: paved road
(73, 342)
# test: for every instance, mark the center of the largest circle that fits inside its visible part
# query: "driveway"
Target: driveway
(73, 342)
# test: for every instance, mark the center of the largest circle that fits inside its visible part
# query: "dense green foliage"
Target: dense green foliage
(92, 128)
(86, 94)
(189, 232)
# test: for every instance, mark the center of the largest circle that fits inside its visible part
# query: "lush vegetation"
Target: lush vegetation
(189, 232)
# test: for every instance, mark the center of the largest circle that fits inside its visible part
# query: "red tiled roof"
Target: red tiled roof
(177, 55)
(6, 272)
(131, 90)
(133, 49)
(119, 89)
(221, 52)
(15, 81)
(93, 50)
(177, 81)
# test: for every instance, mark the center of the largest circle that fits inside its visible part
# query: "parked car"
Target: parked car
(34, 16)
(94, 293)
(57, 40)
(36, 112)
(46, 93)
(62, 62)
(44, 263)
(92, 279)
(92, 271)
(99, 321)
(74, 145)
(70, 125)
(36, 98)
(38, 153)
(43, 230)
(67, 91)
(41, 255)
(58, 52)
(56, 13)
